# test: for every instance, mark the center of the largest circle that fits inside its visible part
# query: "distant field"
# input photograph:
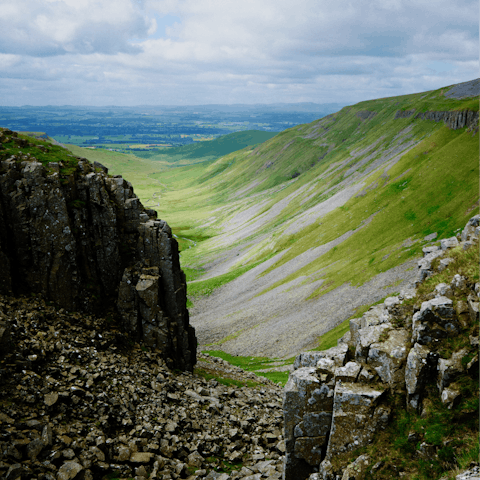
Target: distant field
(208, 150)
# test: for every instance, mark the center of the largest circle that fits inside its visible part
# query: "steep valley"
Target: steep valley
(285, 241)
(340, 255)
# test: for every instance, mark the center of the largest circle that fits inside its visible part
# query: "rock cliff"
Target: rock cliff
(452, 119)
(336, 401)
(82, 239)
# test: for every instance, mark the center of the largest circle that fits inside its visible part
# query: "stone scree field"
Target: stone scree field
(79, 402)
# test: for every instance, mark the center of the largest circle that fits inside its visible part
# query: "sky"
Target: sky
(194, 52)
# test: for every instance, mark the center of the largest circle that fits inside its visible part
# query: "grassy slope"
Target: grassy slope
(429, 195)
(42, 150)
(208, 150)
(432, 187)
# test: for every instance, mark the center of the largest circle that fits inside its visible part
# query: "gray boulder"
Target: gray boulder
(420, 363)
(448, 370)
(388, 358)
(357, 415)
(471, 229)
(348, 373)
(447, 243)
(325, 471)
(357, 469)
(435, 320)
(310, 359)
(368, 336)
(425, 265)
(451, 396)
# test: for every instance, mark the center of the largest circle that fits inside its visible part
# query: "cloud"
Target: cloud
(214, 51)
(49, 28)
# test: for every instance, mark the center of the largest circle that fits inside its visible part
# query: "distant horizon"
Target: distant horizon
(257, 104)
(173, 105)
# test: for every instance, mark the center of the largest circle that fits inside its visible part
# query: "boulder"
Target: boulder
(471, 229)
(435, 320)
(444, 263)
(388, 358)
(368, 336)
(449, 369)
(34, 448)
(310, 359)
(348, 373)
(421, 362)
(357, 415)
(447, 243)
(472, 366)
(451, 396)
(463, 313)
(376, 315)
(425, 265)
(443, 290)
(357, 469)
(473, 308)
(458, 282)
(325, 471)
(141, 457)
(69, 470)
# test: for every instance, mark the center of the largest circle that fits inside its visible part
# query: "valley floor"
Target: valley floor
(283, 321)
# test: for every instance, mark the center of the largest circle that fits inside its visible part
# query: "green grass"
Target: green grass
(208, 150)
(206, 287)
(44, 151)
(228, 382)
(253, 364)
(329, 339)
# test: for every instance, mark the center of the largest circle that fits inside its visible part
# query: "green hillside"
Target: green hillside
(307, 228)
(209, 150)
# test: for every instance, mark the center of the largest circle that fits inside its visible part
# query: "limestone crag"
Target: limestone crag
(452, 119)
(83, 240)
(336, 400)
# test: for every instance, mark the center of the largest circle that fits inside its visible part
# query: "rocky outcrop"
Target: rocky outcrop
(83, 240)
(365, 114)
(452, 119)
(336, 400)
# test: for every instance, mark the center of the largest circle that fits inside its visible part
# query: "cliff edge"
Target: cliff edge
(83, 240)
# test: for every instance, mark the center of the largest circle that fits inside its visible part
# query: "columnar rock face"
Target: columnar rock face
(453, 120)
(336, 400)
(85, 242)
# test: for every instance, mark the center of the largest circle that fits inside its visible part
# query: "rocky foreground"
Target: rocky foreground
(80, 401)
(416, 352)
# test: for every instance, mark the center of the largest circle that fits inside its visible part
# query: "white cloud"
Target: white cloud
(49, 28)
(214, 51)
